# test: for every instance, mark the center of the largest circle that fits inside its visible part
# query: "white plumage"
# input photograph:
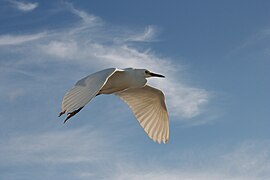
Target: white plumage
(146, 102)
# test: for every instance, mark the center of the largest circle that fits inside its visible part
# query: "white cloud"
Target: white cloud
(147, 36)
(89, 153)
(183, 101)
(248, 161)
(24, 6)
(83, 149)
(93, 45)
(87, 18)
(19, 39)
(61, 49)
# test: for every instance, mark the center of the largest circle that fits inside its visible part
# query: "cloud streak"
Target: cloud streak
(87, 18)
(19, 39)
(60, 49)
(59, 147)
(24, 6)
(148, 35)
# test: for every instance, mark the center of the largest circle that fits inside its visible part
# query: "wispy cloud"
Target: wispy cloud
(148, 35)
(251, 158)
(19, 39)
(184, 101)
(60, 49)
(87, 18)
(66, 150)
(93, 46)
(87, 153)
(160, 174)
(246, 161)
(24, 6)
(59, 147)
(258, 39)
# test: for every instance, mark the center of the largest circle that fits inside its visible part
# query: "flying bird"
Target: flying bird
(146, 102)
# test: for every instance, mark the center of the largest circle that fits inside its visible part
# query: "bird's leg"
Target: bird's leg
(72, 114)
(61, 113)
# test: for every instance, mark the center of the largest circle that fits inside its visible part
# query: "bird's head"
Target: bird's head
(148, 74)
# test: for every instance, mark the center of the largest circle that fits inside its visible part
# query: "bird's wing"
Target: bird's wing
(148, 105)
(85, 89)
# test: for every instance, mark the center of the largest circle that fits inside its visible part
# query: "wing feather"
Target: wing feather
(85, 90)
(148, 105)
(150, 120)
(153, 126)
(159, 128)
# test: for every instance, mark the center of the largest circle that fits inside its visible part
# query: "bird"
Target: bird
(129, 84)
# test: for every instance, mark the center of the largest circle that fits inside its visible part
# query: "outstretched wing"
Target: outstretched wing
(148, 105)
(84, 90)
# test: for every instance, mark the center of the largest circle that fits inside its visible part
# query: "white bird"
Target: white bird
(146, 102)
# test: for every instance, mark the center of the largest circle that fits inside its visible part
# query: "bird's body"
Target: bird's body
(121, 80)
(147, 103)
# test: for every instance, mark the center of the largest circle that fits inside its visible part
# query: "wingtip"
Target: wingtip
(160, 141)
(165, 141)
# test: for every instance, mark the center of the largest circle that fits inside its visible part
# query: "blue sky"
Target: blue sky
(214, 54)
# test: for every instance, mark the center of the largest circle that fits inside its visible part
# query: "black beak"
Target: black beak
(156, 75)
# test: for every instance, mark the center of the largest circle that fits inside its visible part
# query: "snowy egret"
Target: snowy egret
(146, 102)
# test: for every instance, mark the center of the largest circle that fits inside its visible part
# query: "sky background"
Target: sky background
(216, 59)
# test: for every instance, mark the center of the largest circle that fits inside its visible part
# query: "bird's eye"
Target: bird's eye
(146, 72)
